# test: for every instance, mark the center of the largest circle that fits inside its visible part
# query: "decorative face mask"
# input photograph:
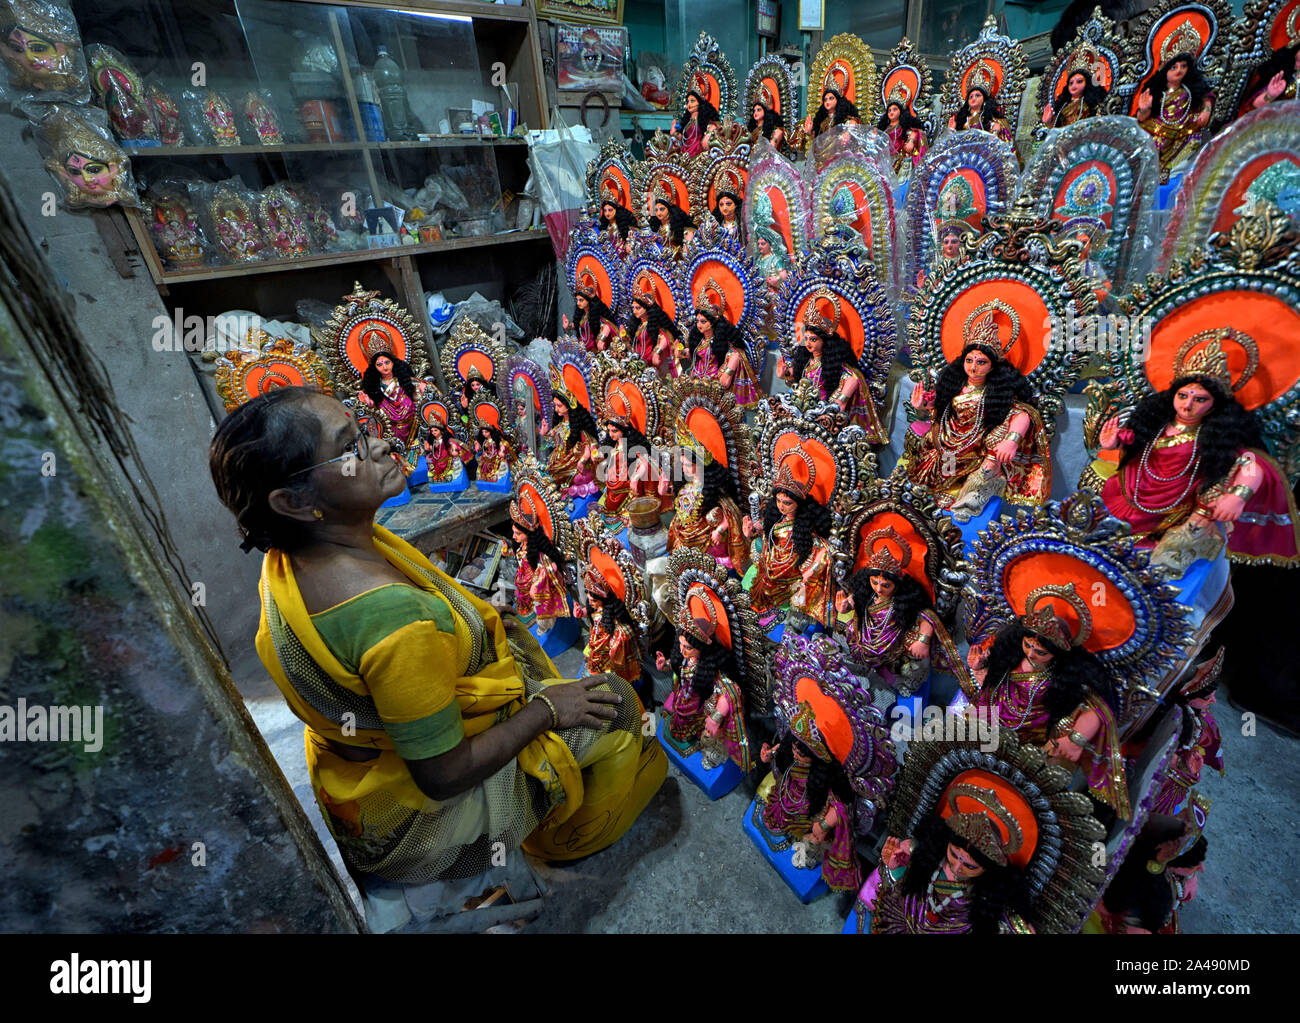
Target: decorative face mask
(83, 158)
(41, 47)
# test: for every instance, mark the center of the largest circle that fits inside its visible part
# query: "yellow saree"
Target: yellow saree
(409, 671)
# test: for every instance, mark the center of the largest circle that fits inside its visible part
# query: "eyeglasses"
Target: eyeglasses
(358, 449)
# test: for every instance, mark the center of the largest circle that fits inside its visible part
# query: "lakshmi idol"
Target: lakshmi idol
(1174, 107)
(706, 516)
(575, 447)
(827, 359)
(1078, 99)
(833, 111)
(595, 323)
(1199, 739)
(671, 224)
(1191, 456)
(701, 116)
(494, 453)
(618, 222)
(717, 351)
(793, 567)
(540, 593)
(653, 335)
(388, 387)
(981, 110)
(706, 709)
(986, 437)
(444, 455)
(906, 137)
(614, 643)
(726, 212)
(628, 472)
(811, 800)
(1036, 679)
(765, 121)
(893, 625)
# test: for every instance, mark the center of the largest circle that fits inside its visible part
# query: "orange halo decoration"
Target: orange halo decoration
(609, 571)
(809, 461)
(533, 504)
(704, 427)
(702, 603)
(654, 285)
(624, 399)
(833, 724)
(835, 312)
(360, 327)
(1096, 610)
(1014, 822)
(1021, 316)
(891, 531)
(1188, 32)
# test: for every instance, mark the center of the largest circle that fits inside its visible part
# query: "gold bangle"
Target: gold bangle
(1014, 437)
(1242, 491)
(555, 714)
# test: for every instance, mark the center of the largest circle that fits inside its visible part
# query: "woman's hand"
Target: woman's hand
(808, 125)
(1276, 86)
(922, 398)
(675, 128)
(766, 753)
(919, 649)
(661, 662)
(366, 400)
(1048, 113)
(952, 122)
(421, 387)
(896, 852)
(977, 658)
(580, 612)
(711, 727)
(565, 320)
(1227, 508)
(747, 525)
(1005, 451)
(580, 704)
(1144, 104)
(717, 535)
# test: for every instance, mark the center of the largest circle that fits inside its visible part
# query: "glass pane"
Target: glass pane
(947, 25)
(881, 24)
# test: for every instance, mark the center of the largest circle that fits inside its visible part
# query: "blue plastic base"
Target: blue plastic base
(778, 630)
(501, 486)
(453, 486)
(851, 924)
(623, 537)
(914, 704)
(716, 783)
(805, 882)
(971, 529)
(562, 635)
(397, 500)
(420, 474)
(1202, 585)
(580, 506)
(1166, 194)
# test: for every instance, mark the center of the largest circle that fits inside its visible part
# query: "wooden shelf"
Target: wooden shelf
(443, 142)
(209, 273)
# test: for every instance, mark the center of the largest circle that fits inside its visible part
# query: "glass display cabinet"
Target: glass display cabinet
(281, 135)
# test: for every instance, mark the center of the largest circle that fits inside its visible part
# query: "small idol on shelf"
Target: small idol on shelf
(575, 445)
(1191, 456)
(717, 351)
(1174, 107)
(281, 216)
(494, 454)
(982, 842)
(894, 630)
(389, 387)
(166, 115)
(614, 643)
(120, 90)
(701, 119)
(42, 48)
(541, 595)
(262, 118)
(1159, 874)
(628, 471)
(1198, 739)
(1078, 98)
(706, 511)
(706, 709)
(237, 232)
(671, 224)
(833, 766)
(595, 324)
(219, 116)
(828, 361)
(444, 456)
(833, 112)
(619, 224)
(792, 564)
(175, 230)
(906, 137)
(1035, 678)
(981, 110)
(653, 334)
(986, 436)
(765, 121)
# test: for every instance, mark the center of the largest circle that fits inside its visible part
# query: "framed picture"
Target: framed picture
(586, 12)
(482, 561)
(812, 15)
(769, 19)
(588, 57)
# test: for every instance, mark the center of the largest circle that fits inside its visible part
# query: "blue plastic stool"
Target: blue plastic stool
(971, 529)
(420, 474)
(805, 882)
(716, 783)
(580, 506)
(1166, 194)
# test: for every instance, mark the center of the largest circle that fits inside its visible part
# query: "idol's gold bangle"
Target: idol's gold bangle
(555, 714)
(1242, 491)
(1014, 436)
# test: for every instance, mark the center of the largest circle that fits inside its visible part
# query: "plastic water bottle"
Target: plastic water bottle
(392, 96)
(372, 120)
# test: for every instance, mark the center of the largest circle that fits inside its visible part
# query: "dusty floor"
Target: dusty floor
(686, 865)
